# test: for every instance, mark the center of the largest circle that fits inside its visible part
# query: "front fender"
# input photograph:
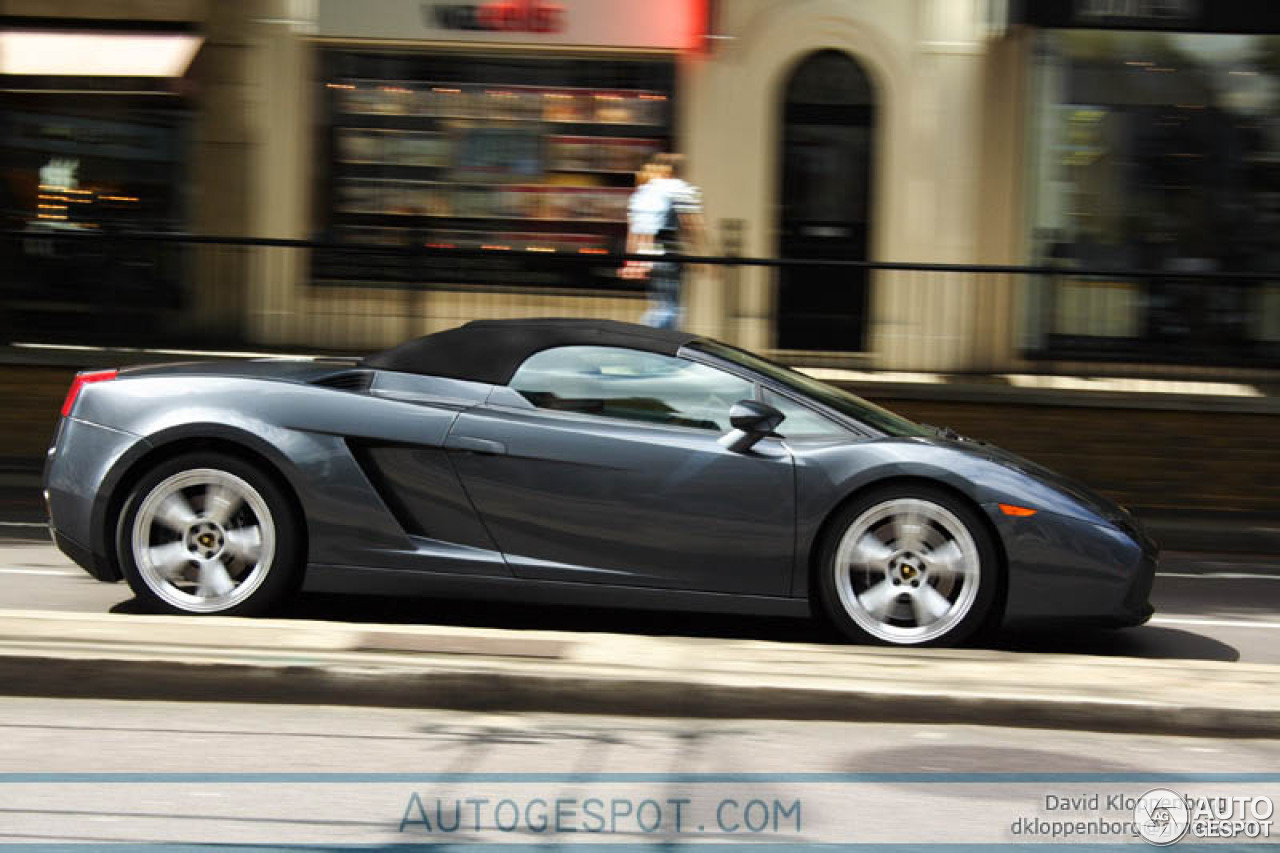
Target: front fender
(828, 474)
(1067, 569)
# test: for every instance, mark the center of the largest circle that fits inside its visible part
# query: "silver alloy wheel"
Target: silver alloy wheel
(203, 540)
(907, 571)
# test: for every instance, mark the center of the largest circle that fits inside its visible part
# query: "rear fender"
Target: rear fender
(343, 514)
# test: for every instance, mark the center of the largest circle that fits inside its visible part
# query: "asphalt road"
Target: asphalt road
(217, 773)
(94, 771)
(1208, 607)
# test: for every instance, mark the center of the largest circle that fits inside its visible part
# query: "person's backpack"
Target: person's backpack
(670, 234)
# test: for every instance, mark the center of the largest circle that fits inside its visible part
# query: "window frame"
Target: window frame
(837, 429)
(842, 424)
(633, 422)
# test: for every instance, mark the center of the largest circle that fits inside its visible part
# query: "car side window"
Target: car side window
(616, 382)
(801, 421)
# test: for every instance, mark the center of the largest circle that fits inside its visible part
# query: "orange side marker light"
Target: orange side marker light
(1017, 511)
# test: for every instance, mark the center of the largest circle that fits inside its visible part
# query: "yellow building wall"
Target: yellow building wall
(940, 135)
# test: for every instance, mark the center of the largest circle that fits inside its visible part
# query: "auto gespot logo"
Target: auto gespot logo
(506, 16)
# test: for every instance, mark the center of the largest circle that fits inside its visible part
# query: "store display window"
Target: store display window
(87, 162)
(1155, 151)
(514, 153)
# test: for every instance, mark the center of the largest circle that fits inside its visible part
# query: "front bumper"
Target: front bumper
(1063, 569)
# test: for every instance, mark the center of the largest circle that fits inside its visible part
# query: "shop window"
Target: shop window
(523, 155)
(75, 165)
(1155, 151)
(92, 161)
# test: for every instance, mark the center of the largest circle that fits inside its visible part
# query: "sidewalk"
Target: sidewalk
(220, 659)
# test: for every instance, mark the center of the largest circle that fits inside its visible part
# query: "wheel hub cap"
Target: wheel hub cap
(907, 571)
(907, 568)
(205, 539)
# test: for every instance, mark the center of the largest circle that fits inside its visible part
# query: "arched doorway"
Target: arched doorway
(828, 132)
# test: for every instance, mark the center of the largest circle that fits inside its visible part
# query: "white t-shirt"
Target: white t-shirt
(649, 205)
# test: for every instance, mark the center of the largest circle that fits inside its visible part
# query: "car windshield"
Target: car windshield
(842, 401)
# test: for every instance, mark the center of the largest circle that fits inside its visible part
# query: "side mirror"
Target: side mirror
(752, 421)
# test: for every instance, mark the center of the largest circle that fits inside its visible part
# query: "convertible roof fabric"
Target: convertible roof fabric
(492, 350)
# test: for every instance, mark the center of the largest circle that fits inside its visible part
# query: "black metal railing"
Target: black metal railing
(181, 290)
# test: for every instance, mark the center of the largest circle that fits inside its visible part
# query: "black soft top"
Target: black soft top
(492, 350)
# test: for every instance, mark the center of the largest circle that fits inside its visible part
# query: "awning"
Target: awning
(84, 51)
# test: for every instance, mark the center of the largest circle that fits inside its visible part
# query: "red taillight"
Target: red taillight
(81, 380)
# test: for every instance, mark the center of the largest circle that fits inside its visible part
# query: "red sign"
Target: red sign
(664, 25)
(504, 16)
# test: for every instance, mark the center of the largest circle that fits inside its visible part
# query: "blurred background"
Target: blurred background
(1052, 224)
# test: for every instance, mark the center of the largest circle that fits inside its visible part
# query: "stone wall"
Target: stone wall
(1150, 460)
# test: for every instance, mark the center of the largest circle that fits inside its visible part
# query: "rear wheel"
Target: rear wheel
(908, 565)
(209, 533)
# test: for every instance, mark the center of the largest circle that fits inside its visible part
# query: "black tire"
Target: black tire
(961, 624)
(281, 571)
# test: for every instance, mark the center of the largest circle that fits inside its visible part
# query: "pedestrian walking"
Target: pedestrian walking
(664, 218)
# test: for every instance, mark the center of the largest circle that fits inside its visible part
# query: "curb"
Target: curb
(486, 692)
(182, 659)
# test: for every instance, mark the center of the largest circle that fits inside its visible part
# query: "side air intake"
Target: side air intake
(356, 381)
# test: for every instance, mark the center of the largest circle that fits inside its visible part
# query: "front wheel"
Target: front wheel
(209, 533)
(908, 566)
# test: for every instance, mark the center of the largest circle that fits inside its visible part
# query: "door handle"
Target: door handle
(475, 445)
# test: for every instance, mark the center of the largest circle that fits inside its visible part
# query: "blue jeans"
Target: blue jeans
(664, 297)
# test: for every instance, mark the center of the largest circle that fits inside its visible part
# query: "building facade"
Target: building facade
(1154, 135)
(921, 131)
(839, 129)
